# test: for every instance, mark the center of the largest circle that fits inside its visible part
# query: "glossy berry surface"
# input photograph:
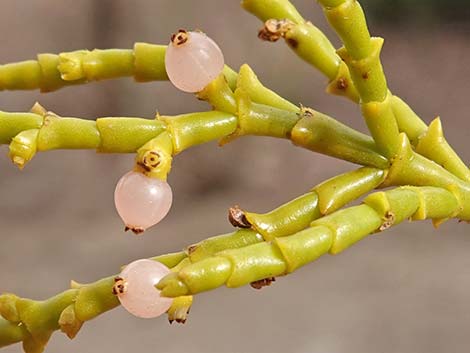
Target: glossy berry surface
(142, 201)
(193, 60)
(140, 297)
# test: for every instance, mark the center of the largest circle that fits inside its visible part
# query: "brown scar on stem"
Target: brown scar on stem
(151, 160)
(263, 283)
(237, 217)
(342, 84)
(306, 112)
(135, 230)
(388, 221)
(48, 118)
(178, 320)
(273, 29)
(192, 248)
(182, 319)
(365, 75)
(179, 38)
(120, 285)
(144, 166)
(292, 43)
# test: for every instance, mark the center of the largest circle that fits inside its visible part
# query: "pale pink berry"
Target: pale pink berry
(137, 292)
(193, 60)
(142, 201)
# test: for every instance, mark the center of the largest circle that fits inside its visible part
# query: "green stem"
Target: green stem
(50, 72)
(258, 93)
(11, 124)
(188, 130)
(347, 18)
(267, 9)
(408, 121)
(309, 129)
(330, 234)
(411, 168)
(146, 63)
(154, 159)
(324, 198)
(433, 145)
(263, 120)
(211, 263)
(321, 133)
(362, 55)
(110, 135)
(69, 310)
(33, 322)
(310, 44)
(382, 124)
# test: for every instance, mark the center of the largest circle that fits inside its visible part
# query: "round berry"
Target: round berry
(193, 60)
(137, 292)
(142, 201)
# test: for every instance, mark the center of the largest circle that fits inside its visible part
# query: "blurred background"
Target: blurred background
(419, 11)
(403, 291)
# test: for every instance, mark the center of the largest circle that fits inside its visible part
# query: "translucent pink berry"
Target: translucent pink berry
(193, 60)
(142, 201)
(136, 289)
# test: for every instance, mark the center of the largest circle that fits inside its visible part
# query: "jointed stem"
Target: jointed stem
(67, 311)
(433, 183)
(145, 62)
(347, 18)
(252, 110)
(333, 233)
(216, 260)
(33, 322)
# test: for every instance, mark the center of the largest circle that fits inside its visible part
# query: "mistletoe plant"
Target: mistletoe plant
(424, 177)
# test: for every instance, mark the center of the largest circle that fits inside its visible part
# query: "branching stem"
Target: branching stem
(431, 180)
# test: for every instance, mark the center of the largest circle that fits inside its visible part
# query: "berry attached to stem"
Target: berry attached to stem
(142, 201)
(137, 292)
(193, 60)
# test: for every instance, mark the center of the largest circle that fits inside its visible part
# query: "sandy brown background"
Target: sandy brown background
(404, 291)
